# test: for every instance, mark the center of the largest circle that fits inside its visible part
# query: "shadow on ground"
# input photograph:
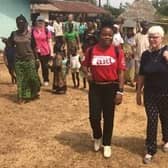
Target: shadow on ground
(134, 145)
(79, 142)
(11, 96)
(82, 143)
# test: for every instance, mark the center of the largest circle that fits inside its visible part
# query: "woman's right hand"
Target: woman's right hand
(89, 77)
(165, 55)
(139, 98)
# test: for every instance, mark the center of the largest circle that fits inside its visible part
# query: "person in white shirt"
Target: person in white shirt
(58, 27)
(58, 31)
(49, 26)
(117, 39)
(141, 44)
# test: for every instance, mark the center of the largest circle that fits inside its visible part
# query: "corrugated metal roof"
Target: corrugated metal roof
(39, 1)
(69, 7)
(44, 7)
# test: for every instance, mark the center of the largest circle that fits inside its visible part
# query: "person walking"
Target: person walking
(117, 39)
(44, 47)
(129, 46)
(70, 20)
(141, 44)
(104, 69)
(58, 29)
(72, 39)
(60, 69)
(90, 36)
(75, 67)
(153, 79)
(28, 84)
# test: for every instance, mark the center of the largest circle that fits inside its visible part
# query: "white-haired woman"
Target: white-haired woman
(153, 78)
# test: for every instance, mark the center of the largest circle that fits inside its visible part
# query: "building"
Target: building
(9, 10)
(51, 8)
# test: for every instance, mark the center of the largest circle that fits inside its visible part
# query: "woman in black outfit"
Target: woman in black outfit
(153, 77)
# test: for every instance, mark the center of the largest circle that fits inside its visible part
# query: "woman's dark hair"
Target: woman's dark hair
(21, 18)
(74, 49)
(106, 22)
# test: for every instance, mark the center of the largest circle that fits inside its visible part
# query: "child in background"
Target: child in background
(130, 70)
(59, 69)
(130, 53)
(75, 67)
(72, 39)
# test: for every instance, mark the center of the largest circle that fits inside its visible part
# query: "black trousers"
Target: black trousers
(44, 67)
(156, 106)
(101, 100)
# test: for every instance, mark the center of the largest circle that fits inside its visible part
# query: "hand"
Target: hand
(139, 98)
(89, 77)
(118, 99)
(4, 40)
(52, 55)
(62, 48)
(165, 55)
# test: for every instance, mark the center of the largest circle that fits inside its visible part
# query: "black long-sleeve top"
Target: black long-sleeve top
(154, 68)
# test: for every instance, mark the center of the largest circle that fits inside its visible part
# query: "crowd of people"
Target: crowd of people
(105, 59)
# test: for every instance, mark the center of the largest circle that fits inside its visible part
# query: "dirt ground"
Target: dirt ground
(54, 132)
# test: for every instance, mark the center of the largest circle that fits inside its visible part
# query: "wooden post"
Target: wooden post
(99, 3)
(108, 3)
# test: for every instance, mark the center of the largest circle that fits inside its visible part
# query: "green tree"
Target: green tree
(115, 12)
(161, 6)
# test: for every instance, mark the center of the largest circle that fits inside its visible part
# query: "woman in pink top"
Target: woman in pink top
(44, 47)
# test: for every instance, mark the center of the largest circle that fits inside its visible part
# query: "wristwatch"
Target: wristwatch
(120, 90)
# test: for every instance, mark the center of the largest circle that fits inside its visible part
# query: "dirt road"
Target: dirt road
(54, 132)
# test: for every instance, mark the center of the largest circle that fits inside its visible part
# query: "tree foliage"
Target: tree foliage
(161, 6)
(117, 11)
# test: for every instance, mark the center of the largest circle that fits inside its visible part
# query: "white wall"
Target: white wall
(45, 15)
(9, 10)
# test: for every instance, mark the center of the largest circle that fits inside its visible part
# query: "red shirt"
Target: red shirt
(41, 39)
(104, 63)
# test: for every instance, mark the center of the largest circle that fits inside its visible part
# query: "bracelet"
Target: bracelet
(120, 93)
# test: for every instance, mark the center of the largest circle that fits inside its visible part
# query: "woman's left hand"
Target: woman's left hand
(52, 55)
(118, 99)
